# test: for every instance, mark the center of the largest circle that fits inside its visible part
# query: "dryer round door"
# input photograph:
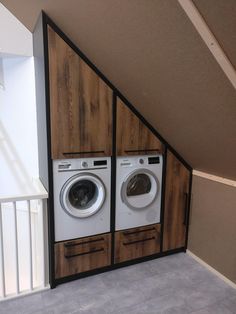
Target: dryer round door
(140, 189)
(82, 195)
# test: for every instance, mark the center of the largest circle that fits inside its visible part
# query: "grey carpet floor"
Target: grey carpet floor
(176, 284)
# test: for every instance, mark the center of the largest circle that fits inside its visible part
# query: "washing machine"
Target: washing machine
(81, 197)
(138, 191)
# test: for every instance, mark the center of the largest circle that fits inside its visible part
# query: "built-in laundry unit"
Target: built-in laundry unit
(118, 192)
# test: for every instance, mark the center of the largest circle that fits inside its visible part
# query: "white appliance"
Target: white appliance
(81, 197)
(138, 191)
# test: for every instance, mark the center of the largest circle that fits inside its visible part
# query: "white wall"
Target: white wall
(18, 131)
(15, 38)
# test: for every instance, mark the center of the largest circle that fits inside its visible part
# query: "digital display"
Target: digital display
(100, 162)
(154, 160)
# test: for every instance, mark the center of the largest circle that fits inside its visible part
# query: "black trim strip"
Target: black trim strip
(188, 212)
(163, 197)
(126, 233)
(113, 177)
(81, 243)
(117, 92)
(84, 253)
(138, 241)
(51, 230)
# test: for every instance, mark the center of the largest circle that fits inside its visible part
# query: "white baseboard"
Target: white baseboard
(213, 270)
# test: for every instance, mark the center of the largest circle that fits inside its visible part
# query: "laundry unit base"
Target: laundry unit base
(116, 266)
(82, 255)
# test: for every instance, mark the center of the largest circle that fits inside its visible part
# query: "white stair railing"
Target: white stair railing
(23, 244)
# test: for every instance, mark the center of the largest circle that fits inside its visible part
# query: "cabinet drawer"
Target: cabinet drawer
(137, 242)
(76, 256)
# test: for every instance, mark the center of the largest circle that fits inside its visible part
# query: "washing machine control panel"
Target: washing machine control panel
(82, 163)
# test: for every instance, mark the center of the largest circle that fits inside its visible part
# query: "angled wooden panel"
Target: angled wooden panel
(133, 137)
(80, 103)
(176, 203)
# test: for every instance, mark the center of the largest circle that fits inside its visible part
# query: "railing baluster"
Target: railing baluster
(42, 202)
(2, 255)
(30, 246)
(16, 249)
(15, 235)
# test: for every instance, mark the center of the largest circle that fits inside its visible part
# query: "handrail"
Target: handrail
(38, 192)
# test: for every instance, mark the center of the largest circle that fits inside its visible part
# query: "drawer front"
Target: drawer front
(77, 256)
(137, 242)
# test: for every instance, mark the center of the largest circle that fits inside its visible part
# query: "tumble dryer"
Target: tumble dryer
(138, 191)
(81, 197)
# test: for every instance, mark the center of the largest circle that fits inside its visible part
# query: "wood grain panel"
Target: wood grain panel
(133, 137)
(137, 242)
(80, 104)
(76, 256)
(176, 202)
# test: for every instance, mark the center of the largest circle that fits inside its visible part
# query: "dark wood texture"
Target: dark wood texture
(76, 256)
(80, 103)
(133, 137)
(137, 242)
(176, 203)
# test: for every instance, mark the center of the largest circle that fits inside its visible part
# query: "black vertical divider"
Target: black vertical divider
(51, 230)
(163, 197)
(113, 177)
(189, 204)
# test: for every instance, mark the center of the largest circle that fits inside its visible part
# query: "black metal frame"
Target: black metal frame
(116, 93)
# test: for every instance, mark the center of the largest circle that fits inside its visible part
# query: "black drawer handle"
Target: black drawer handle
(141, 150)
(137, 231)
(71, 244)
(84, 253)
(88, 152)
(185, 209)
(138, 241)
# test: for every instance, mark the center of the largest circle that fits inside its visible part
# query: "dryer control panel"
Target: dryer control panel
(135, 161)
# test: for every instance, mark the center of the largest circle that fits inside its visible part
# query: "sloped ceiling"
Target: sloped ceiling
(152, 53)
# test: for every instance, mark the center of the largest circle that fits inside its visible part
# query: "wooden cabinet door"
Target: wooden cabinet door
(137, 242)
(80, 104)
(132, 136)
(78, 256)
(176, 203)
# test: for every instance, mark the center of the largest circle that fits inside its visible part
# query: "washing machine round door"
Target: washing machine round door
(82, 195)
(140, 189)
